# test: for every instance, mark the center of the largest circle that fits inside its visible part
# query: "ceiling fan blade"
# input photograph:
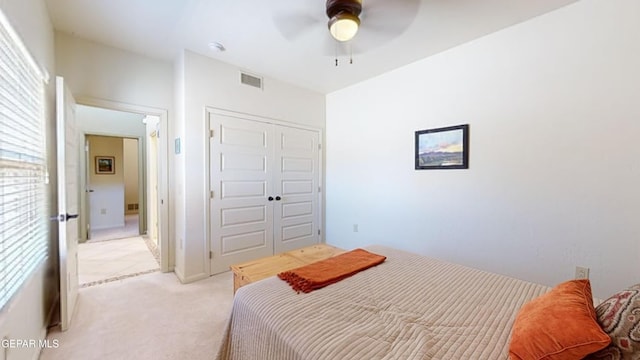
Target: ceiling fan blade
(393, 17)
(292, 26)
(381, 21)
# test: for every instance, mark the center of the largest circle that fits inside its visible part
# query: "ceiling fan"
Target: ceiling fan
(355, 26)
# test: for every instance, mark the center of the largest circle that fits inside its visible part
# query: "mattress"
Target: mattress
(409, 307)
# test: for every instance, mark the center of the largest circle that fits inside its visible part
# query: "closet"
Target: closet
(264, 179)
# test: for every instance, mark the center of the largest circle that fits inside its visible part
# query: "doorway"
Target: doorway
(116, 246)
(115, 197)
(113, 193)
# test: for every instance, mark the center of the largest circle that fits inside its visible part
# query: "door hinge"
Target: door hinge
(210, 133)
(319, 188)
(318, 231)
(319, 146)
(210, 254)
(211, 194)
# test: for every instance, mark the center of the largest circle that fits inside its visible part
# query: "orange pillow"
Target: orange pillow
(560, 325)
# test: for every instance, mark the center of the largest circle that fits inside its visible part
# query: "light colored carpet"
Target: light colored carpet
(129, 229)
(151, 316)
(104, 261)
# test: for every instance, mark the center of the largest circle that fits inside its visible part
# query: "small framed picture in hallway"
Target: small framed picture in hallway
(105, 165)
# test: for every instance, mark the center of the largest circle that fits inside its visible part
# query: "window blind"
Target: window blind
(23, 202)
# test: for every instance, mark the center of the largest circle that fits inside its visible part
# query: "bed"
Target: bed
(408, 307)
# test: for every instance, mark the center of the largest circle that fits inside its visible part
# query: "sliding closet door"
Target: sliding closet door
(241, 215)
(296, 183)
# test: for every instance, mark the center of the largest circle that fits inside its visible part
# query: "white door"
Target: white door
(241, 214)
(296, 183)
(264, 180)
(67, 158)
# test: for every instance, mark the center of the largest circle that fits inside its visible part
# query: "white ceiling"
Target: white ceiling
(259, 40)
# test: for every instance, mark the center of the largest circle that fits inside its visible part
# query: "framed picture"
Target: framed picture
(105, 165)
(443, 148)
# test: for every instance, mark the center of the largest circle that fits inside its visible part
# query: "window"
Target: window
(23, 211)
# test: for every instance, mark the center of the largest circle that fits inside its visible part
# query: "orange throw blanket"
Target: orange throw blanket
(326, 272)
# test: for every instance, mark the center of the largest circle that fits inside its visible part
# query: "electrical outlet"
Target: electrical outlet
(103, 211)
(355, 227)
(582, 272)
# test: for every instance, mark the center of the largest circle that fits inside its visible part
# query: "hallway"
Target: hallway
(112, 260)
(130, 229)
(115, 254)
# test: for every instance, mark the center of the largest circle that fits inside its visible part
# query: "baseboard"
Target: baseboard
(108, 226)
(179, 274)
(189, 279)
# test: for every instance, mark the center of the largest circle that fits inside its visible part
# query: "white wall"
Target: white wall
(207, 82)
(26, 317)
(178, 191)
(554, 113)
(98, 71)
(98, 121)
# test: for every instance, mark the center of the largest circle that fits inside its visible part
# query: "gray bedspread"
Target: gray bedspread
(409, 307)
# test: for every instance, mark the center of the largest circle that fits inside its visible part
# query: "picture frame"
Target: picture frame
(442, 148)
(105, 165)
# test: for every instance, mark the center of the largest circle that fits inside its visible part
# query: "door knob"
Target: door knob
(270, 198)
(63, 217)
(278, 198)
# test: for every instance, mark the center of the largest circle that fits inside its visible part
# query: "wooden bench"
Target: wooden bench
(252, 271)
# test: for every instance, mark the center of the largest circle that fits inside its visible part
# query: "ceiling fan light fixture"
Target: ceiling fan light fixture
(344, 26)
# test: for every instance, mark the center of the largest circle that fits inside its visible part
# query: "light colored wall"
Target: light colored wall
(98, 121)
(178, 191)
(207, 82)
(107, 201)
(99, 71)
(27, 316)
(553, 110)
(131, 193)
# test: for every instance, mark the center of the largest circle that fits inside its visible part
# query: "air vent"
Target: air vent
(251, 80)
(132, 206)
